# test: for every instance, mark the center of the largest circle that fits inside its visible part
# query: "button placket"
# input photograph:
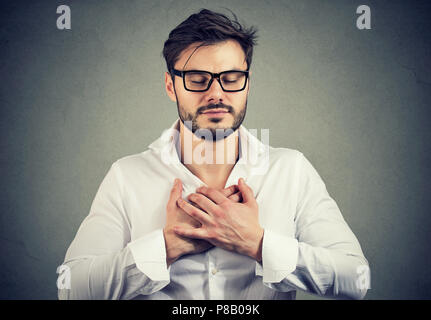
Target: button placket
(211, 283)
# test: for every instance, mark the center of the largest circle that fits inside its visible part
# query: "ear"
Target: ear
(169, 86)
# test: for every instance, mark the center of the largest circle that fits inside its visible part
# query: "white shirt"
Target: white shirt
(119, 249)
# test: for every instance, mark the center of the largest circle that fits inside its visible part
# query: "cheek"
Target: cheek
(187, 101)
(238, 101)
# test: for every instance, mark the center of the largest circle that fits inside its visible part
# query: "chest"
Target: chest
(277, 202)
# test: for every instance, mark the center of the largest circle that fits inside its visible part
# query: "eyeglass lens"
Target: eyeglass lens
(230, 80)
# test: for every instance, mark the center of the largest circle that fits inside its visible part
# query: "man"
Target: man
(168, 224)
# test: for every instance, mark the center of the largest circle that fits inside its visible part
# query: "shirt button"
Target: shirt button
(214, 271)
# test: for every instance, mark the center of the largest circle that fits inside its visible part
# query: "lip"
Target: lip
(215, 112)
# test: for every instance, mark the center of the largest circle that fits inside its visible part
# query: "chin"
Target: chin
(217, 124)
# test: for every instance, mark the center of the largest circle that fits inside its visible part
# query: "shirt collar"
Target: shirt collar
(250, 152)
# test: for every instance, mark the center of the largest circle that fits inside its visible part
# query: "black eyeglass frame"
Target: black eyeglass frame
(213, 75)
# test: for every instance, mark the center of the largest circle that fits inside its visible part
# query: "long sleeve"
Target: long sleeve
(324, 258)
(103, 263)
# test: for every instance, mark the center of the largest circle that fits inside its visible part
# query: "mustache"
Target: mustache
(215, 106)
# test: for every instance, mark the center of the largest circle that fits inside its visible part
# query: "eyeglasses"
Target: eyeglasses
(200, 81)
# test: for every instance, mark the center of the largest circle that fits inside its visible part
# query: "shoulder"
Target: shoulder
(285, 155)
(293, 161)
(134, 162)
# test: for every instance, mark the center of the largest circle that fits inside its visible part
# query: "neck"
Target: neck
(211, 161)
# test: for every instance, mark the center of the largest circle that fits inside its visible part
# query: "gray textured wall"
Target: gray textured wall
(356, 103)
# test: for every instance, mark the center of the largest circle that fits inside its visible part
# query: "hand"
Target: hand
(176, 245)
(233, 226)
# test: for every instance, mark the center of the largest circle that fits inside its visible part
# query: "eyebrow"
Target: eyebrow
(236, 69)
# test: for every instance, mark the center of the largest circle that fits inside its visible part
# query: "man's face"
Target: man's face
(196, 106)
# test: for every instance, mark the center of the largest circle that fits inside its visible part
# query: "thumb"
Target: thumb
(246, 191)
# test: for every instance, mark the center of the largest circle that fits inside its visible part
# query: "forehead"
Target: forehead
(221, 56)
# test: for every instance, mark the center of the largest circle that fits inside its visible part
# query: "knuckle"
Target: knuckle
(202, 189)
(226, 204)
(227, 191)
(196, 197)
(212, 235)
(219, 213)
(212, 224)
(235, 198)
(194, 212)
(180, 203)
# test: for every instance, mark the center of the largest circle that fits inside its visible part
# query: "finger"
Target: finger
(177, 187)
(246, 191)
(227, 192)
(236, 197)
(205, 204)
(213, 194)
(175, 192)
(196, 233)
(194, 212)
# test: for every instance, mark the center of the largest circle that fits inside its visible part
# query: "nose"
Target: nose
(215, 93)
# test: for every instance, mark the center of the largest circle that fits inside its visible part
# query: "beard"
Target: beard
(191, 122)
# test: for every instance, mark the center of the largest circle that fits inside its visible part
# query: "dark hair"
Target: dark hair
(208, 27)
